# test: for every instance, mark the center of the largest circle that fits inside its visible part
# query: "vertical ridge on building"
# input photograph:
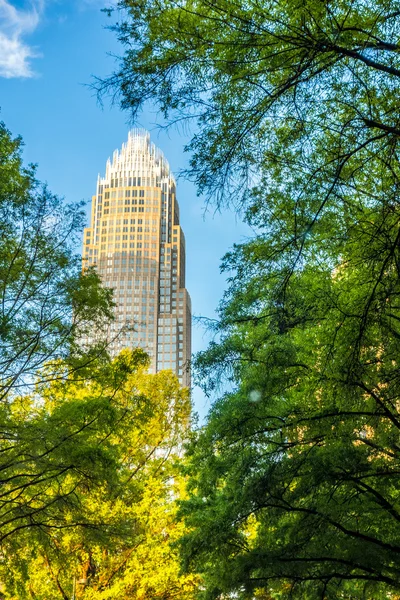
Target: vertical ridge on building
(138, 247)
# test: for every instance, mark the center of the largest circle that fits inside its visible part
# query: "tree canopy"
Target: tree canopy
(294, 479)
(91, 513)
(47, 304)
(301, 95)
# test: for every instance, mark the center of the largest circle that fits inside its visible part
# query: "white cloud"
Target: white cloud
(15, 23)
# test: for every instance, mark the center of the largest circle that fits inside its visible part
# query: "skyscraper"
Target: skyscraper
(138, 247)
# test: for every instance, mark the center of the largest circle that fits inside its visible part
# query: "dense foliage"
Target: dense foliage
(97, 518)
(298, 471)
(295, 478)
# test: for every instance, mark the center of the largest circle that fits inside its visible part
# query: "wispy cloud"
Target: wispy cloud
(15, 24)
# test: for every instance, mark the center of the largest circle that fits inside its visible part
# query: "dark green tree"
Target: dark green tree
(295, 478)
(301, 94)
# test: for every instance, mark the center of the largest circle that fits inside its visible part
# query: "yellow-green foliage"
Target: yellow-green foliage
(115, 516)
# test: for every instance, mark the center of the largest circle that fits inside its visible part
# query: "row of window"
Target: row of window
(131, 230)
(133, 181)
(127, 202)
(112, 222)
(139, 244)
(127, 209)
(125, 246)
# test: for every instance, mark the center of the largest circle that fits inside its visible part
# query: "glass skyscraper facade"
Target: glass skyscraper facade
(138, 248)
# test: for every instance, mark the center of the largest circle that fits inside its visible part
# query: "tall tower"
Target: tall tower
(138, 247)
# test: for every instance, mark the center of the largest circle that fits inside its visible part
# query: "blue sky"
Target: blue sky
(49, 52)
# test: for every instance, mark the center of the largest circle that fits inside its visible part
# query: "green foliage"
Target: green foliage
(54, 445)
(97, 512)
(46, 303)
(294, 481)
(300, 95)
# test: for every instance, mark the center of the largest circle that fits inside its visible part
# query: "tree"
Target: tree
(112, 515)
(55, 448)
(295, 479)
(300, 94)
(47, 304)
(295, 484)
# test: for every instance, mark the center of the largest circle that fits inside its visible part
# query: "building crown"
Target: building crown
(140, 155)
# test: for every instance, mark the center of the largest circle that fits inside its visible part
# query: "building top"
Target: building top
(138, 156)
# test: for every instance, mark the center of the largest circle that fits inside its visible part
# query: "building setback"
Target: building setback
(138, 247)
